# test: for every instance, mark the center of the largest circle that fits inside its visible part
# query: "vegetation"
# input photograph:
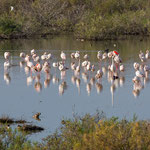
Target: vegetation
(7, 119)
(84, 133)
(87, 19)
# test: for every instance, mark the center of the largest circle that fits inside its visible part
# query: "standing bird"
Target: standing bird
(121, 68)
(147, 55)
(136, 66)
(44, 56)
(63, 55)
(72, 55)
(99, 55)
(104, 56)
(6, 55)
(86, 56)
(142, 56)
(32, 52)
(77, 55)
(22, 55)
(139, 74)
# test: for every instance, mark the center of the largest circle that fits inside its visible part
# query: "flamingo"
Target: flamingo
(77, 55)
(32, 52)
(110, 55)
(6, 55)
(112, 67)
(117, 59)
(115, 53)
(142, 56)
(27, 58)
(147, 55)
(139, 74)
(93, 68)
(136, 66)
(22, 55)
(38, 67)
(44, 56)
(146, 68)
(99, 55)
(63, 55)
(86, 56)
(84, 63)
(88, 67)
(73, 66)
(121, 68)
(55, 64)
(49, 56)
(99, 74)
(104, 56)
(36, 59)
(72, 55)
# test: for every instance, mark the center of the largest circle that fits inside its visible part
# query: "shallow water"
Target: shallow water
(19, 100)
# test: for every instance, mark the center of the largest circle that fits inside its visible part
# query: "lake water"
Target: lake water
(20, 100)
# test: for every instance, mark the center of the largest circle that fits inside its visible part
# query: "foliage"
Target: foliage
(92, 132)
(89, 19)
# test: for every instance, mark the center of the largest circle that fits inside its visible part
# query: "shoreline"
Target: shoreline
(47, 36)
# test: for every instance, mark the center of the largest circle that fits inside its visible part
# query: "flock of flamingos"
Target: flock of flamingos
(92, 74)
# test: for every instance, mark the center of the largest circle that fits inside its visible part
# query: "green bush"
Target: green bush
(8, 25)
(92, 132)
(89, 19)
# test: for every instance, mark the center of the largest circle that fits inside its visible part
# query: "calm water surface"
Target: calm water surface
(20, 100)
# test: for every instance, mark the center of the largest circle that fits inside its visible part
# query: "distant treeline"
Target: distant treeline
(87, 19)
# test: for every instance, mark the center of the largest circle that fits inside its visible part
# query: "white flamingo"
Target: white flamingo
(77, 55)
(6, 55)
(63, 55)
(139, 74)
(147, 55)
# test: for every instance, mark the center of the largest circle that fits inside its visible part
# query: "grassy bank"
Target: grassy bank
(88, 19)
(85, 133)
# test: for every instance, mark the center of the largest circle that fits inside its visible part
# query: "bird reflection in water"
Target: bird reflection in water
(47, 80)
(121, 81)
(55, 80)
(99, 87)
(38, 86)
(88, 88)
(30, 79)
(78, 81)
(73, 80)
(112, 90)
(62, 87)
(46, 83)
(22, 64)
(7, 77)
(62, 75)
(85, 77)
